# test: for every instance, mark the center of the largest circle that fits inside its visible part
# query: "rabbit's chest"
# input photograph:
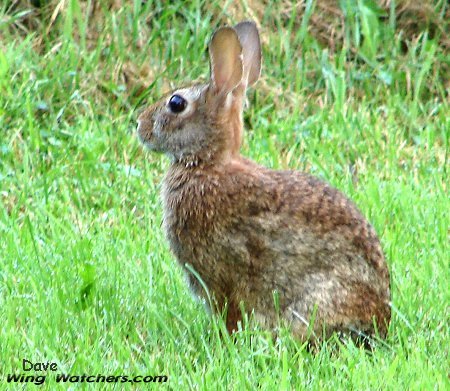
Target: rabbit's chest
(194, 217)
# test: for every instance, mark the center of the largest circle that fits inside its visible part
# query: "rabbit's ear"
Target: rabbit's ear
(225, 52)
(251, 49)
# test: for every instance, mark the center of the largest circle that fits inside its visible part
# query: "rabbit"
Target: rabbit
(270, 244)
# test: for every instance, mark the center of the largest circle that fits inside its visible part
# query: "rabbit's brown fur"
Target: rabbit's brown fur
(249, 231)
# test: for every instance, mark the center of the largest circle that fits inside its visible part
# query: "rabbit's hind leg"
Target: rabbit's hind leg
(348, 308)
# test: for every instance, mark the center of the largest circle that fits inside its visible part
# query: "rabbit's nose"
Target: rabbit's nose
(139, 125)
(143, 125)
(144, 129)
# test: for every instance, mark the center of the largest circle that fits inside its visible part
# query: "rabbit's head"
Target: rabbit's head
(204, 122)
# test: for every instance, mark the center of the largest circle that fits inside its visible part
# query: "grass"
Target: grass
(86, 276)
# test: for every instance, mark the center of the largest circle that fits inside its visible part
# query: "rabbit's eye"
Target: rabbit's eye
(177, 104)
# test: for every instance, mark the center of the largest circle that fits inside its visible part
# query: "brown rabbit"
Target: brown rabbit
(249, 231)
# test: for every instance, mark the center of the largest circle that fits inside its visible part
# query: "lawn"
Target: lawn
(87, 280)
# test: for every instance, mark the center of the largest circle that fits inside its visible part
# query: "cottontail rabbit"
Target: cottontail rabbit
(249, 231)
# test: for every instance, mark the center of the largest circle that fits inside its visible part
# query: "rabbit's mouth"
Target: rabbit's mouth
(149, 144)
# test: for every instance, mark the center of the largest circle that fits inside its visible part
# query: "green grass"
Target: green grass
(86, 276)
